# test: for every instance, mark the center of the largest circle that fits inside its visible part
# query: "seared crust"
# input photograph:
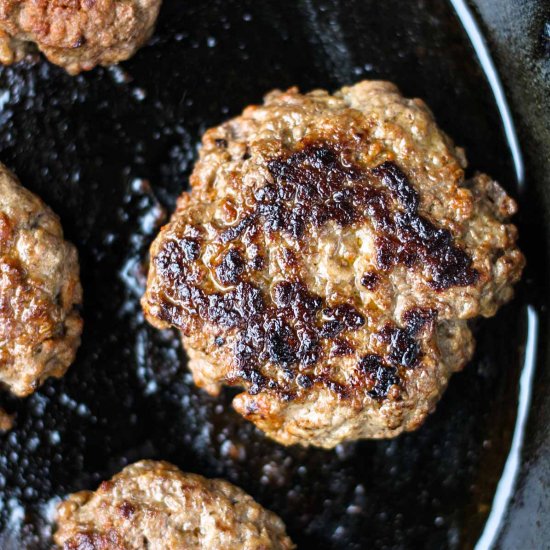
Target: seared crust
(40, 291)
(154, 506)
(76, 34)
(327, 260)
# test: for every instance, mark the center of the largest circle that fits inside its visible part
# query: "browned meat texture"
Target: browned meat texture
(154, 506)
(76, 34)
(327, 260)
(40, 291)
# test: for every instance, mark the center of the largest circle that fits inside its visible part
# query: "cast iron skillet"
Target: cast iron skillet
(111, 150)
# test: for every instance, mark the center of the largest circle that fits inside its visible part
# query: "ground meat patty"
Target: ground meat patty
(327, 260)
(76, 34)
(40, 291)
(154, 506)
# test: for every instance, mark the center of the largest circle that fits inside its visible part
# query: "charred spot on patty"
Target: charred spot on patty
(340, 348)
(418, 318)
(380, 375)
(412, 238)
(316, 185)
(304, 381)
(190, 248)
(231, 267)
(236, 231)
(370, 280)
(126, 510)
(404, 350)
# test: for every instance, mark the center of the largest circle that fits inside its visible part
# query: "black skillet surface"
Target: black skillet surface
(90, 145)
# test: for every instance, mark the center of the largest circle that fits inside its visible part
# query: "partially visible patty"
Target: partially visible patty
(154, 506)
(76, 34)
(327, 260)
(40, 292)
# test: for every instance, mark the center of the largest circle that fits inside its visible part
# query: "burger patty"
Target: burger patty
(76, 34)
(154, 506)
(327, 260)
(40, 292)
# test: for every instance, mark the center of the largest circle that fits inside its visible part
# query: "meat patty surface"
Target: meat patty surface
(76, 34)
(327, 260)
(154, 506)
(40, 291)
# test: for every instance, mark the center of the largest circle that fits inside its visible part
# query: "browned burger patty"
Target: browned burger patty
(40, 291)
(327, 260)
(76, 34)
(154, 506)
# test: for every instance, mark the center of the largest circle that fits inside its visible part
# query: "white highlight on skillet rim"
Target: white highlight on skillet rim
(482, 51)
(507, 481)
